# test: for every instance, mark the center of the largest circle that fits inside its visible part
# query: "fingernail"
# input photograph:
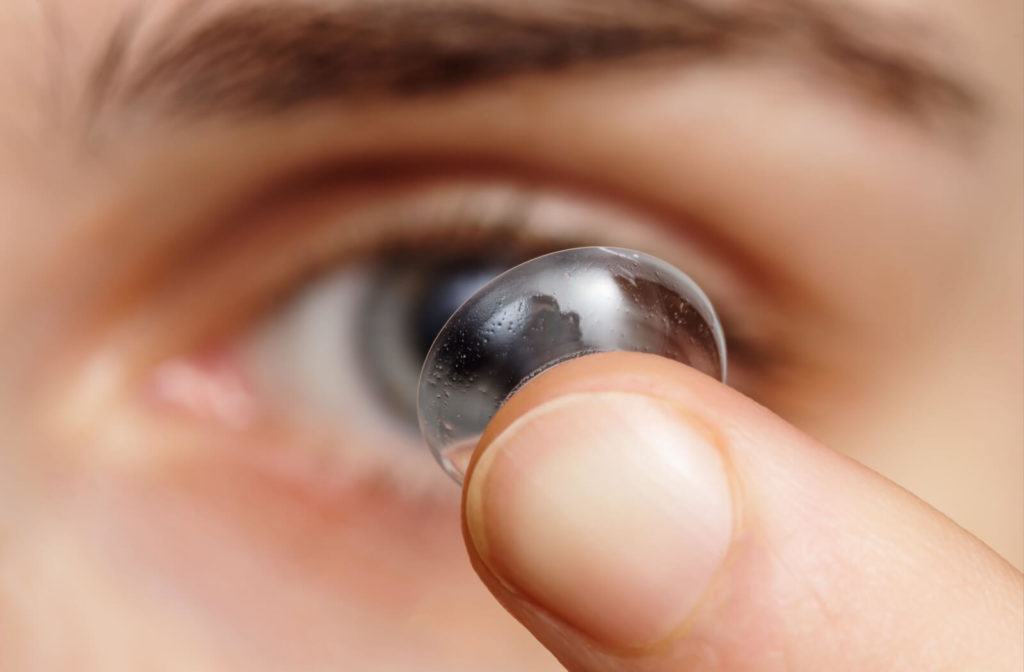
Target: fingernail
(611, 511)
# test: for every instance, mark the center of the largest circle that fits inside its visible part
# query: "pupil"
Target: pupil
(442, 293)
(405, 308)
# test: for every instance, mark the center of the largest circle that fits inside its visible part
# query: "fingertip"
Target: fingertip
(611, 510)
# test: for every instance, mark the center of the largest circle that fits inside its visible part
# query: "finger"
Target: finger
(637, 515)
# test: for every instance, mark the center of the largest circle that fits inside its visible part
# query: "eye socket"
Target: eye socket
(338, 358)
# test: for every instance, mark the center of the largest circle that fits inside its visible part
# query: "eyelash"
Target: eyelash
(463, 217)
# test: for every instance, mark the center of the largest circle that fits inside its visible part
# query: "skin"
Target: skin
(727, 539)
(144, 526)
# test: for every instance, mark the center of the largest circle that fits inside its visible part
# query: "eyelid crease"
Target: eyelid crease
(212, 279)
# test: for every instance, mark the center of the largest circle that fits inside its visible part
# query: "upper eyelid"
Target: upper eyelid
(216, 256)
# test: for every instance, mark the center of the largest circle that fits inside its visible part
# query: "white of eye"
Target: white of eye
(305, 357)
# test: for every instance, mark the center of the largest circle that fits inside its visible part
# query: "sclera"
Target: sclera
(549, 310)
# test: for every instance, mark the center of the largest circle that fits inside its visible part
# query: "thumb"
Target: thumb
(637, 515)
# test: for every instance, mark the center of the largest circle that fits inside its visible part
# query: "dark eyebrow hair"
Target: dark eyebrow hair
(271, 58)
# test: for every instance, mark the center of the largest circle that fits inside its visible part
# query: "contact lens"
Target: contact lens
(547, 311)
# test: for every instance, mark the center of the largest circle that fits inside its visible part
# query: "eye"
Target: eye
(350, 345)
(405, 305)
(336, 353)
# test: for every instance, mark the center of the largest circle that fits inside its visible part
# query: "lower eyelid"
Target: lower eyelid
(210, 392)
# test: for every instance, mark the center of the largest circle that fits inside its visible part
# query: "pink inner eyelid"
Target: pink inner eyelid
(209, 387)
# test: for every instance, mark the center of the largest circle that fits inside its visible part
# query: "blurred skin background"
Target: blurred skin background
(229, 231)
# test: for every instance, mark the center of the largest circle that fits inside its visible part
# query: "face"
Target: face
(229, 231)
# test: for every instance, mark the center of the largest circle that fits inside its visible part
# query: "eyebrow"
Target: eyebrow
(272, 58)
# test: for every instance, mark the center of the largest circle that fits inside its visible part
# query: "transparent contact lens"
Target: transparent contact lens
(547, 311)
